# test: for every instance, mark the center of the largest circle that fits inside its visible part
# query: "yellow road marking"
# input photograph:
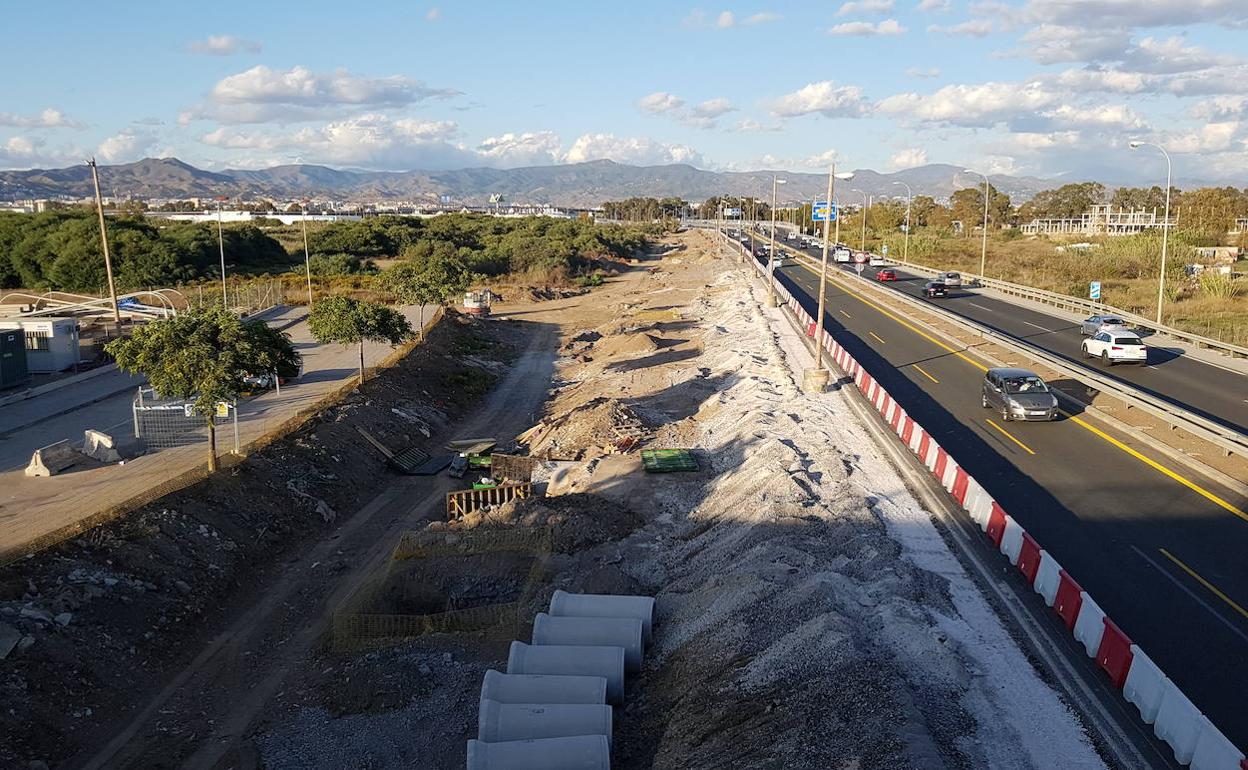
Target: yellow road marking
(925, 374)
(842, 312)
(873, 334)
(1006, 433)
(1204, 582)
(1081, 423)
(1163, 469)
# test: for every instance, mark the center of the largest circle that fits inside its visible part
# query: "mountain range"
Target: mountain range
(574, 184)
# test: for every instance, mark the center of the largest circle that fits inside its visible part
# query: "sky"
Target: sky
(1050, 88)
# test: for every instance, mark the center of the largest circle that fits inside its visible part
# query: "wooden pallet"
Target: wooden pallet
(512, 467)
(465, 501)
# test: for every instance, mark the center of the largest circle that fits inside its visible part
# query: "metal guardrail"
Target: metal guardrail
(1228, 439)
(1068, 302)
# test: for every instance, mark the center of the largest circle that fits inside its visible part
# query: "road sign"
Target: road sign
(732, 212)
(859, 267)
(860, 257)
(1094, 290)
(820, 211)
(884, 250)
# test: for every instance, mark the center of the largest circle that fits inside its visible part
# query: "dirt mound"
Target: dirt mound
(600, 426)
(576, 521)
(622, 345)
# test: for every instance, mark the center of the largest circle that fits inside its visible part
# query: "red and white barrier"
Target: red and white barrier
(1175, 719)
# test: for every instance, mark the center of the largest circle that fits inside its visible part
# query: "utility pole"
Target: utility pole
(771, 254)
(307, 260)
(225, 299)
(108, 263)
(905, 254)
(983, 253)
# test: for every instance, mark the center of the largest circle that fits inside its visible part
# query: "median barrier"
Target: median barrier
(940, 464)
(1029, 558)
(1048, 578)
(960, 482)
(996, 524)
(907, 433)
(1214, 751)
(53, 459)
(100, 446)
(1069, 597)
(1145, 685)
(978, 504)
(1114, 654)
(1011, 540)
(1090, 624)
(1179, 723)
(926, 449)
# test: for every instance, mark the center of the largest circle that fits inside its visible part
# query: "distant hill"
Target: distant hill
(573, 184)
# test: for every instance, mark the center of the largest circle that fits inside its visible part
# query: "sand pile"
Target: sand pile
(600, 426)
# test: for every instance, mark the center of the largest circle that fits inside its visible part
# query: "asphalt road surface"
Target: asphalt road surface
(1161, 550)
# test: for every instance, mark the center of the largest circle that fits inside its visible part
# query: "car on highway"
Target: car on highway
(842, 254)
(1105, 322)
(933, 289)
(778, 261)
(1018, 394)
(1113, 346)
(951, 279)
(887, 274)
(877, 260)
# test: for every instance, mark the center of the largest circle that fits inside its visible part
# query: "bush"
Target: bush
(339, 264)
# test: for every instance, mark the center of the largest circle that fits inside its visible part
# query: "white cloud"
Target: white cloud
(1171, 55)
(728, 20)
(48, 118)
(1212, 137)
(971, 105)
(1104, 116)
(633, 150)
(971, 28)
(865, 6)
(825, 98)
(713, 108)
(751, 126)
(929, 6)
(1097, 80)
(919, 72)
(1129, 14)
(1221, 108)
(759, 18)
(538, 148)
(261, 95)
(434, 14)
(224, 45)
(908, 158)
(1054, 43)
(867, 29)
(33, 152)
(660, 102)
(129, 145)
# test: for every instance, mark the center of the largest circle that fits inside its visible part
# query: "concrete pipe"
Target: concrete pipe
(543, 688)
(611, 632)
(580, 752)
(571, 660)
(521, 721)
(564, 604)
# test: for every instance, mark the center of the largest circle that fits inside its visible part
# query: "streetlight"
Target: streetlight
(307, 260)
(225, 301)
(819, 380)
(983, 252)
(1136, 144)
(866, 204)
(905, 250)
(771, 254)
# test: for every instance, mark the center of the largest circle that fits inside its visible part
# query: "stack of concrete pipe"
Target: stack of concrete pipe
(552, 710)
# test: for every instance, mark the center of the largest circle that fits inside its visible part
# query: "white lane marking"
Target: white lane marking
(1038, 326)
(981, 307)
(1188, 591)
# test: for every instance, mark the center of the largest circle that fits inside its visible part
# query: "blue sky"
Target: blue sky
(1043, 87)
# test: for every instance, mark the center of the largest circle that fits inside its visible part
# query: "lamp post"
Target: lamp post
(307, 259)
(1165, 224)
(818, 379)
(108, 263)
(771, 252)
(225, 300)
(905, 250)
(983, 251)
(866, 204)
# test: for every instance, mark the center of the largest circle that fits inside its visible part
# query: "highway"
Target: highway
(1160, 549)
(1211, 391)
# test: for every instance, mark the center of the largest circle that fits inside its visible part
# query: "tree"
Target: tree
(1069, 201)
(968, 207)
(203, 356)
(348, 321)
(427, 282)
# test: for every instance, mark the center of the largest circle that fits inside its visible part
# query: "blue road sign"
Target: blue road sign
(821, 212)
(1094, 290)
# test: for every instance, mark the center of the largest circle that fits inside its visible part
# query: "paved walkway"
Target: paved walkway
(33, 507)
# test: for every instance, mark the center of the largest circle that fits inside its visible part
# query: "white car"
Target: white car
(877, 261)
(950, 279)
(1113, 346)
(843, 254)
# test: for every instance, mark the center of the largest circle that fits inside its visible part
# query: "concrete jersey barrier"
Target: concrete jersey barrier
(53, 459)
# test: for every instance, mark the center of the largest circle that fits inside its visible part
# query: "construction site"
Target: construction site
(337, 599)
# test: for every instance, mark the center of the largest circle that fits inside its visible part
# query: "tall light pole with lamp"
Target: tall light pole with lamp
(983, 251)
(866, 204)
(817, 380)
(905, 250)
(771, 253)
(1136, 144)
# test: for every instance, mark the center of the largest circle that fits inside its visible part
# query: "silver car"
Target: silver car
(950, 279)
(1100, 323)
(1018, 395)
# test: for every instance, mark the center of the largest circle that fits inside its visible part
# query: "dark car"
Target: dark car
(1018, 394)
(886, 275)
(935, 289)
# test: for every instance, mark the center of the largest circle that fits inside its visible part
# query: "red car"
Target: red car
(886, 275)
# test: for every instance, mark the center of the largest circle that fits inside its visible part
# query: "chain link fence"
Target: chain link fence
(164, 423)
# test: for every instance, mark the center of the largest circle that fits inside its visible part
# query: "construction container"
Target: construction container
(51, 343)
(13, 370)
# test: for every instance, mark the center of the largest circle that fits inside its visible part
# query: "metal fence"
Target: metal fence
(164, 423)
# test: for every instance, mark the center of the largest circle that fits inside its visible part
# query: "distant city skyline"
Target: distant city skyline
(1050, 88)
